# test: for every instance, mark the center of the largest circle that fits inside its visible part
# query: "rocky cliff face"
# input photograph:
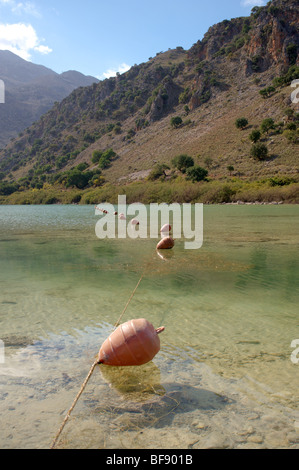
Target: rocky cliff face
(275, 38)
(166, 99)
(269, 37)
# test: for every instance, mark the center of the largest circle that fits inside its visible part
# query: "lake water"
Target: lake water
(224, 375)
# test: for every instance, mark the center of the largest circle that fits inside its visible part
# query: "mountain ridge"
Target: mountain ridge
(30, 91)
(222, 77)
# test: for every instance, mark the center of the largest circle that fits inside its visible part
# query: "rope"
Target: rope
(132, 295)
(90, 373)
(74, 403)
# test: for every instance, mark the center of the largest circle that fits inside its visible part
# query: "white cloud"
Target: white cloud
(21, 39)
(20, 8)
(253, 3)
(43, 49)
(112, 72)
(25, 7)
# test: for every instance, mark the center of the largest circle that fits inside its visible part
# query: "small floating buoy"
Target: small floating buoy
(122, 216)
(133, 343)
(101, 210)
(165, 243)
(115, 213)
(166, 228)
(134, 222)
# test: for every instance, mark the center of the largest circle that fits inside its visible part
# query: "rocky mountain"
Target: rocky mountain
(179, 102)
(30, 91)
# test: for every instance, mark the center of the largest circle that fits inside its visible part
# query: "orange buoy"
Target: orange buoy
(133, 343)
(165, 243)
(101, 210)
(166, 228)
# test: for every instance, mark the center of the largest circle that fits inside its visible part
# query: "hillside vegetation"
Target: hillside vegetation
(213, 124)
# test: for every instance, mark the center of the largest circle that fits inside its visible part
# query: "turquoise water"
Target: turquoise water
(224, 375)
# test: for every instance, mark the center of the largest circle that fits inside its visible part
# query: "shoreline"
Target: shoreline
(233, 191)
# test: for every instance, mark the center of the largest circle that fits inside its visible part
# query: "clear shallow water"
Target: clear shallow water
(223, 377)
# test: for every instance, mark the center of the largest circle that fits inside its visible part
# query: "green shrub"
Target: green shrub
(241, 123)
(158, 172)
(286, 79)
(280, 181)
(230, 168)
(51, 200)
(196, 173)
(182, 162)
(259, 151)
(106, 157)
(291, 126)
(267, 124)
(62, 161)
(82, 166)
(176, 122)
(255, 135)
(8, 188)
(266, 92)
(96, 155)
(291, 50)
(76, 199)
(291, 135)
(78, 179)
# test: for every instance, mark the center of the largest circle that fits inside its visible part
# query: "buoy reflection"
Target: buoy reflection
(136, 383)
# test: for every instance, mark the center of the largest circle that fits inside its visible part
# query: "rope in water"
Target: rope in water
(96, 362)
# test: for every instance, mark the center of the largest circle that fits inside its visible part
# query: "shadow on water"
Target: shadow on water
(136, 397)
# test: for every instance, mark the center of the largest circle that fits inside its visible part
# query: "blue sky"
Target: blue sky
(101, 37)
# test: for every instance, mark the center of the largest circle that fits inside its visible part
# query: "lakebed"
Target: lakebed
(224, 376)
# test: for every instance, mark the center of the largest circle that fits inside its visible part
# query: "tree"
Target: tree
(267, 124)
(259, 151)
(96, 155)
(82, 166)
(241, 123)
(103, 158)
(196, 173)
(78, 178)
(182, 162)
(176, 121)
(265, 92)
(291, 126)
(292, 136)
(61, 161)
(255, 136)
